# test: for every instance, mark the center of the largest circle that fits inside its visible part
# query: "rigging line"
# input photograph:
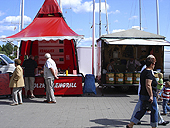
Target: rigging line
(16, 7)
(135, 8)
(70, 12)
(144, 15)
(130, 14)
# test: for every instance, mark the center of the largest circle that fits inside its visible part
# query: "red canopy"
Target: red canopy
(49, 7)
(47, 25)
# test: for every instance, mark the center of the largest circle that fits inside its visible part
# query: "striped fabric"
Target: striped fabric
(166, 93)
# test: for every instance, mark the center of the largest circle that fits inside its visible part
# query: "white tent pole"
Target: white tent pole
(157, 12)
(93, 39)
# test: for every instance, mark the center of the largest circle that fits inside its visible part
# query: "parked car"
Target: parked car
(6, 64)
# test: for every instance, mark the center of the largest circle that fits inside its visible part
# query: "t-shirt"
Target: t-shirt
(147, 74)
(49, 64)
(29, 67)
(166, 93)
(160, 87)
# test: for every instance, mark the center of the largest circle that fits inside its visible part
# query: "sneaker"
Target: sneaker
(164, 123)
(45, 101)
(13, 104)
(52, 102)
(32, 97)
(163, 114)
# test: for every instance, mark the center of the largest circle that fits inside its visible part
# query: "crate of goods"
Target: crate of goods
(110, 78)
(136, 78)
(128, 78)
(119, 78)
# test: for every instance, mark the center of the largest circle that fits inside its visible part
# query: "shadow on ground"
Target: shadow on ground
(112, 123)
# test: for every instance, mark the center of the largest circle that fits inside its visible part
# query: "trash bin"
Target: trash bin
(89, 84)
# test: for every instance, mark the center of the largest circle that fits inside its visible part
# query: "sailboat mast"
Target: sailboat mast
(106, 18)
(99, 18)
(22, 14)
(157, 12)
(140, 13)
(21, 22)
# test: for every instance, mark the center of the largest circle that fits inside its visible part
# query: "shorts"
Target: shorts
(29, 83)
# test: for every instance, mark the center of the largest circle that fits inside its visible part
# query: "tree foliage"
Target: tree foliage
(9, 49)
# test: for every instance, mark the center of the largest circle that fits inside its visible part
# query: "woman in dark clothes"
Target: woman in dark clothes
(147, 95)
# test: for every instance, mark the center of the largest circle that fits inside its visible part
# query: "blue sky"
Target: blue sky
(122, 15)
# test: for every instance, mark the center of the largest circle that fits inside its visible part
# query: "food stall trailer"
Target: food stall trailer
(49, 33)
(120, 47)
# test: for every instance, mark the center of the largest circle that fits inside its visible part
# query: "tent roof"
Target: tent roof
(46, 28)
(134, 37)
(47, 25)
(49, 7)
(132, 34)
(145, 42)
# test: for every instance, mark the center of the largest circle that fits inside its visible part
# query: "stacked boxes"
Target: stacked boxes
(122, 78)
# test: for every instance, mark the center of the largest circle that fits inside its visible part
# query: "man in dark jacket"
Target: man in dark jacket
(30, 67)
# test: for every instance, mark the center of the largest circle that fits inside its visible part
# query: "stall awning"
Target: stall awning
(137, 42)
(46, 28)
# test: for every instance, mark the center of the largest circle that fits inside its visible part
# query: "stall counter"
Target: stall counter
(65, 85)
(4, 82)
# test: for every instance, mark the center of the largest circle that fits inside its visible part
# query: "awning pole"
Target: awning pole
(93, 40)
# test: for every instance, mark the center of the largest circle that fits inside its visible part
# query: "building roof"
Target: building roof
(132, 34)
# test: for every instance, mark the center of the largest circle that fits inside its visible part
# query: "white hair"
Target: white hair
(150, 56)
(47, 55)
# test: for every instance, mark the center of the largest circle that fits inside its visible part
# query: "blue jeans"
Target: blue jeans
(154, 111)
(165, 106)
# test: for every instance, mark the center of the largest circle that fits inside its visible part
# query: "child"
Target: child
(159, 86)
(166, 96)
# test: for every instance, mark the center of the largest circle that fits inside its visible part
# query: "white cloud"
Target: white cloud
(3, 36)
(86, 42)
(133, 17)
(114, 12)
(86, 39)
(77, 6)
(1, 13)
(116, 21)
(80, 29)
(10, 28)
(117, 30)
(138, 27)
(15, 19)
(72, 3)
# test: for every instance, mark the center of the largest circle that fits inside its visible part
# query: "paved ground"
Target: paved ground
(113, 110)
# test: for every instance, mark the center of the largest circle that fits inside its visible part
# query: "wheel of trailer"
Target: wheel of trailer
(124, 88)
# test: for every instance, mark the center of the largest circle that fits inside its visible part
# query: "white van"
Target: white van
(6, 64)
(166, 64)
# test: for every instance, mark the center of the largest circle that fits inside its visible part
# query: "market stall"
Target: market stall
(65, 85)
(123, 46)
(49, 33)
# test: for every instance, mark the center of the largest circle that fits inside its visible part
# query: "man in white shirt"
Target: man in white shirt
(50, 73)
